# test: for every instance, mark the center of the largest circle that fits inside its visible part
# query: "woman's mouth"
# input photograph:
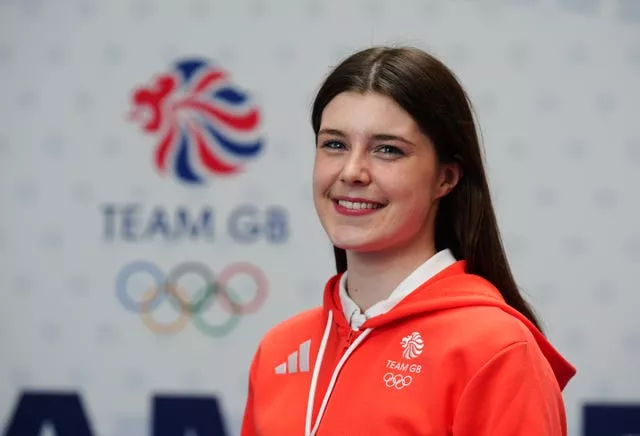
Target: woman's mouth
(356, 207)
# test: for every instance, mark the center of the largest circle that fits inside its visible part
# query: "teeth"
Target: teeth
(358, 205)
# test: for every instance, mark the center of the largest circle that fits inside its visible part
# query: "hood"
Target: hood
(452, 288)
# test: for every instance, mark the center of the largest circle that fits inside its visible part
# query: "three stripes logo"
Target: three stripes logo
(298, 361)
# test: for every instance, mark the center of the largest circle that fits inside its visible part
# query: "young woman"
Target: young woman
(423, 330)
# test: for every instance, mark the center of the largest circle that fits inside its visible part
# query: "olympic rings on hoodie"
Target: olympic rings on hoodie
(165, 287)
(397, 381)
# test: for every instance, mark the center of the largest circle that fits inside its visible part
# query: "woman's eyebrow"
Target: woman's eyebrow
(377, 136)
(334, 132)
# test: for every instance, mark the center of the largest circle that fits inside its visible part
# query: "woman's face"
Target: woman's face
(376, 175)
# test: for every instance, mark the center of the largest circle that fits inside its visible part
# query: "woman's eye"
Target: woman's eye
(390, 150)
(333, 145)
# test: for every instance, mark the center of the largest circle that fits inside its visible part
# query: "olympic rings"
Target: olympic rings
(172, 280)
(256, 274)
(158, 327)
(397, 381)
(121, 286)
(194, 307)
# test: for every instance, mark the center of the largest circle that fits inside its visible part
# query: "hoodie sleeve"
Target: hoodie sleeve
(248, 420)
(513, 394)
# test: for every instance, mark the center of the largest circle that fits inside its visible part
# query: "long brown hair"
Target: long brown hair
(425, 88)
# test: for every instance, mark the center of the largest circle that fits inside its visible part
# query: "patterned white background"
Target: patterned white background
(555, 84)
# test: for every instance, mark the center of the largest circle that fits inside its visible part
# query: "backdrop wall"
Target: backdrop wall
(109, 207)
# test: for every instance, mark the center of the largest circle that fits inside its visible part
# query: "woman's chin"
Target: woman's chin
(356, 244)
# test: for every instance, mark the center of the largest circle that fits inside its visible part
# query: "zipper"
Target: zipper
(351, 336)
(356, 337)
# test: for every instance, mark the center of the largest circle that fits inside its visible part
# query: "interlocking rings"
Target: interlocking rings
(196, 305)
(397, 381)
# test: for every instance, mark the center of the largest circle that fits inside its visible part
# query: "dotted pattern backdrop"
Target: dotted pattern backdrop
(555, 86)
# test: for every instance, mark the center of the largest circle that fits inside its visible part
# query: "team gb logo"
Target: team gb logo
(413, 345)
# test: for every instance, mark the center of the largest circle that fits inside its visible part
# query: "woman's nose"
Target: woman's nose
(356, 170)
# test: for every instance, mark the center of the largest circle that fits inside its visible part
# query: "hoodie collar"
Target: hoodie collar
(451, 288)
(355, 317)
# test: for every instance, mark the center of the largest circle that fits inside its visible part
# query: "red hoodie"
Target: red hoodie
(450, 359)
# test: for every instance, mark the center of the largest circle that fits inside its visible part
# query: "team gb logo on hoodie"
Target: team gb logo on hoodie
(413, 345)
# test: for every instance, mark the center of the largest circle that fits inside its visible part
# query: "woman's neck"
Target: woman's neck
(372, 276)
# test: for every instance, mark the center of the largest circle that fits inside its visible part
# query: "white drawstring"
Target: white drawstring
(334, 376)
(316, 371)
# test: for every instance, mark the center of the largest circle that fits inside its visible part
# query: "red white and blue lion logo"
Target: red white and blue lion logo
(205, 125)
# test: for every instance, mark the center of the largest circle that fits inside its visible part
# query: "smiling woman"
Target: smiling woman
(423, 330)
(371, 157)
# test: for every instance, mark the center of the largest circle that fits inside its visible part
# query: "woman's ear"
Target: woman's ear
(450, 175)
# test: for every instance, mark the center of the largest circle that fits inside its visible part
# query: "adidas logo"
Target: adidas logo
(298, 361)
